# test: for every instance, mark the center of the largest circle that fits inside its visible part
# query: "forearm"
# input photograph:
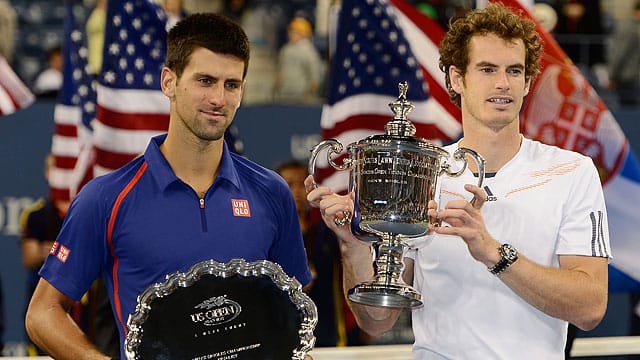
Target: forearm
(571, 294)
(60, 337)
(357, 265)
(50, 326)
(55, 332)
(357, 259)
(576, 291)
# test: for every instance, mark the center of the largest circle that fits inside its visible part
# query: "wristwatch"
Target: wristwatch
(508, 254)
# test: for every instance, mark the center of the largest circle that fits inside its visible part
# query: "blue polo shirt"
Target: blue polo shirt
(139, 223)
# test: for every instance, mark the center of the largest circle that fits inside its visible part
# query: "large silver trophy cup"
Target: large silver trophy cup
(393, 177)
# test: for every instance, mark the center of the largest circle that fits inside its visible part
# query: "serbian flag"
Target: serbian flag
(14, 94)
(563, 109)
(73, 113)
(378, 45)
(131, 107)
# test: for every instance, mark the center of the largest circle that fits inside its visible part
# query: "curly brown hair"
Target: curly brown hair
(495, 19)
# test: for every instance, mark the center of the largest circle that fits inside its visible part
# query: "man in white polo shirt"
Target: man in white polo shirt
(516, 260)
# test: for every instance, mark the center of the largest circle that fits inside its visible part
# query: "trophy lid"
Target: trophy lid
(400, 125)
(400, 131)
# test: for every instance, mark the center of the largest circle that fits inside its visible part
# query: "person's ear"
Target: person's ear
(456, 79)
(242, 87)
(168, 82)
(527, 86)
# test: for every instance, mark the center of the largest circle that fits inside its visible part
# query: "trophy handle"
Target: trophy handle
(460, 155)
(335, 148)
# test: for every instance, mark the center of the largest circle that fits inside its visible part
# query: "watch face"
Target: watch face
(509, 252)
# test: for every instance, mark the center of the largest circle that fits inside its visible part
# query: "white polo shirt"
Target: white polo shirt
(545, 202)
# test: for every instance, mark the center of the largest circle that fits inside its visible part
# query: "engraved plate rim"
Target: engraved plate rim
(178, 279)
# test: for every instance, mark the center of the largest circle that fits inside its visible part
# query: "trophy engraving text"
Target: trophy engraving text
(227, 354)
(219, 310)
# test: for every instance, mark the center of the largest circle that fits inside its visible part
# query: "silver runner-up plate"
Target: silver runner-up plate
(221, 311)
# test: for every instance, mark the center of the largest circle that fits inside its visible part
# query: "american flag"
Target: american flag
(378, 45)
(131, 107)
(563, 109)
(74, 111)
(14, 94)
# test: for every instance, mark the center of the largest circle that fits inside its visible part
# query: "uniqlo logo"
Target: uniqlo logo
(54, 248)
(63, 254)
(240, 208)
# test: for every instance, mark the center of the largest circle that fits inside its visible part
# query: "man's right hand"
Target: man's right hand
(336, 209)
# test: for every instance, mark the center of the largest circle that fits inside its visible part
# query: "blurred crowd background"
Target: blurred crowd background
(32, 33)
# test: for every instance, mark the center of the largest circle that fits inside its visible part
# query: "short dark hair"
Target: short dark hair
(214, 32)
(494, 19)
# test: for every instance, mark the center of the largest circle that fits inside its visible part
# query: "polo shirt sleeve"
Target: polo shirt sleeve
(584, 229)
(79, 253)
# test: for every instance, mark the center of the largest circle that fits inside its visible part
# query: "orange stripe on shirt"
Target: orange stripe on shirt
(523, 188)
(112, 221)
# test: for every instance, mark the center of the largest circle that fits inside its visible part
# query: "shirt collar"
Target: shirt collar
(164, 175)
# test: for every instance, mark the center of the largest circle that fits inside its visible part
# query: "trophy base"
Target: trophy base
(385, 295)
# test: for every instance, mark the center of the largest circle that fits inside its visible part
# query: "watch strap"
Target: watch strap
(505, 261)
(500, 266)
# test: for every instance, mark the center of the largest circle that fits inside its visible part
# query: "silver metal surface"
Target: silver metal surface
(393, 177)
(387, 289)
(289, 285)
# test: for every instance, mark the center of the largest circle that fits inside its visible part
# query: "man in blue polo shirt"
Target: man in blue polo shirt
(187, 199)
